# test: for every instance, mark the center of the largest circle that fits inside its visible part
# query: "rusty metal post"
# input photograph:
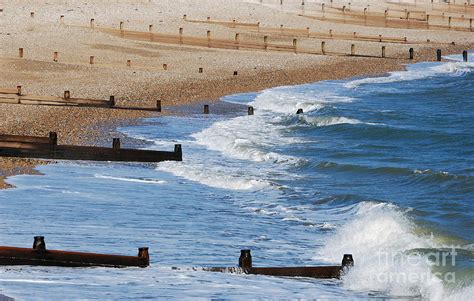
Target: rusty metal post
(39, 244)
(67, 94)
(112, 101)
(323, 47)
(250, 110)
(91, 60)
(158, 105)
(464, 56)
(245, 259)
(383, 51)
(438, 55)
(300, 111)
(20, 52)
(411, 53)
(116, 143)
(206, 109)
(55, 56)
(53, 138)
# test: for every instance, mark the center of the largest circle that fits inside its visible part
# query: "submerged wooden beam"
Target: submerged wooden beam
(40, 256)
(47, 148)
(323, 272)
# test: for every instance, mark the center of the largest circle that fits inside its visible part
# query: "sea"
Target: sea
(378, 167)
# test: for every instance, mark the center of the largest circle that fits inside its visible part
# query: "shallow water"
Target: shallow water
(381, 168)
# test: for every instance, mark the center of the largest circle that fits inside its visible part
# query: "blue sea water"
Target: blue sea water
(379, 167)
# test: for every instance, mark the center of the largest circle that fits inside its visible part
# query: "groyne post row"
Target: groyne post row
(16, 96)
(323, 272)
(48, 148)
(38, 255)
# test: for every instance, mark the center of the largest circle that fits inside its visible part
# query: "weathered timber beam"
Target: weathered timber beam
(38, 255)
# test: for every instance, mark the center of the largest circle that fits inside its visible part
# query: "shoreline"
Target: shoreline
(91, 126)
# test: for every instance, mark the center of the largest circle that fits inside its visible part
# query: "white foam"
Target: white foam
(321, 121)
(147, 181)
(213, 176)
(415, 72)
(379, 237)
(245, 138)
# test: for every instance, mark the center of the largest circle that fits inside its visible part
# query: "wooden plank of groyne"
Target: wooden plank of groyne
(37, 147)
(40, 256)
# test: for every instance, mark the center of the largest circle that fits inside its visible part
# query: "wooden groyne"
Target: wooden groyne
(16, 96)
(324, 272)
(38, 255)
(47, 148)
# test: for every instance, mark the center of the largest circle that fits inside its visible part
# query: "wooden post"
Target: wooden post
(145, 256)
(299, 111)
(411, 53)
(470, 24)
(185, 17)
(208, 38)
(245, 259)
(295, 45)
(67, 94)
(449, 21)
(39, 244)
(307, 32)
(323, 47)
(330, 33)
(380, 38)
(355, 34)
(428, 20)
(116, 144)
(438, 55)
(61, 20)
(20, 52)
(129, 63)
(200, 69)
(18, 90)
(32, 14)
(237, 40)
(250, 110)
(383, 51)
(121, 25)
(208, 18)
(181, 35)
(281, 27)
(158, 106)
(53, 138)
(165, 66)
(150, 28)
(464, 56)
(236, 73)
(92, 23)
(91, 60)
(265, 42)
(55, 56)
(353, 49)
(206, 109)
(112, 101)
